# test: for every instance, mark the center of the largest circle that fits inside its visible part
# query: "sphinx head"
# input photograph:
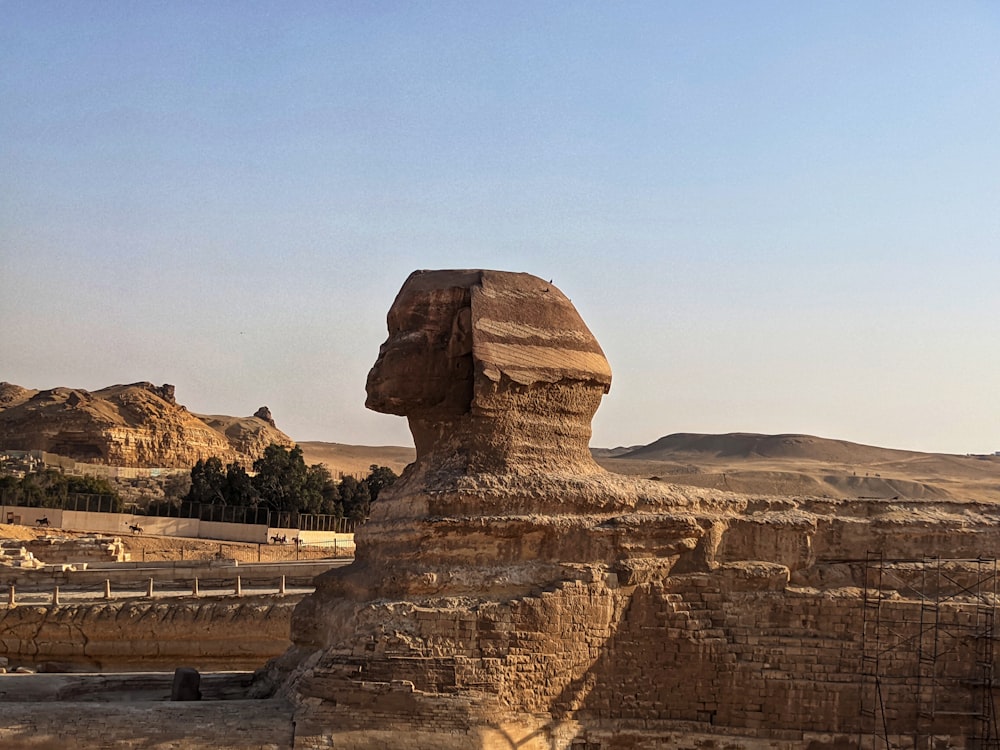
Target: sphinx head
(483, 344)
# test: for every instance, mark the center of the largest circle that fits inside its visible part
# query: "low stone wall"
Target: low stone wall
(221, 633)
(738, 653)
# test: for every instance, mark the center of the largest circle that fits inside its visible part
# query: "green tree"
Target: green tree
(379, 477)
(320, 493)
(355, 498)
(10, 490)
(50, 488)
(281, 477)
(87, 485)
(208, 481)
(90, 486)
(238, 488)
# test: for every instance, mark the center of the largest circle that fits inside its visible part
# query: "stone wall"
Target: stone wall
(218, 634)
(736, 652)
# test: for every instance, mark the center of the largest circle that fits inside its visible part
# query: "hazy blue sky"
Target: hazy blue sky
(776, 217)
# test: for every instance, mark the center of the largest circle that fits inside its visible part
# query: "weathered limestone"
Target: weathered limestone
(508, 592)
(139, 424)
(55, 549)
(503, 521)
(129, 634)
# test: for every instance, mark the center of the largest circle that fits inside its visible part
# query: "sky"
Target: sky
(776, 217)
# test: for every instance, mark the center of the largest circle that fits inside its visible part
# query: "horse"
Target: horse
(43, 521)
(279, 539)
(135, 528)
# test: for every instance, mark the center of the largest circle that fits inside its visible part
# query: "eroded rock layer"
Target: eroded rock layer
(508, 592)
(148, 635)
(127, 425)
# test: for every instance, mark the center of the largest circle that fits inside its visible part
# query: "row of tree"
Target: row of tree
(50, 488)
(282, 482)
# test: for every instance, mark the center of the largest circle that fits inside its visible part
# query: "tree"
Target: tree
(355, 498)
(320, 494)
(50, 488)
(208, 481)
(238, 487)
(281, 477)
(379, 477)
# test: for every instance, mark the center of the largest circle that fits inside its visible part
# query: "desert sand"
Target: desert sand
(800, 465)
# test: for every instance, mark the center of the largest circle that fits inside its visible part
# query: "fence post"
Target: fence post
(239, 586)
(281, 587)
(55, 596)
(107, 588)
(149, 588)
(194, 587)
(11, 602)
(258, 551)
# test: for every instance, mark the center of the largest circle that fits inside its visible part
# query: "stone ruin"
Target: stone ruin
(509, 593)
(14, 555)
(84, 548)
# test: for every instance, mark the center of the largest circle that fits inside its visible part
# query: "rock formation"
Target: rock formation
(126, 425)
(508, 592)
(499, 379)
(148, 634)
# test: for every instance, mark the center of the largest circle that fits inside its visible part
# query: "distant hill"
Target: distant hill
(133, 425)
(799, 465)
(141, 424)
(807, 465)
(356, 459)
(752, 446)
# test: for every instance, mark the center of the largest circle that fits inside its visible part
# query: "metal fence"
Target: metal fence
(261, 516)
(73, 501)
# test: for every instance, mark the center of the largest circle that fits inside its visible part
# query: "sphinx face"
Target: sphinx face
(425, 365)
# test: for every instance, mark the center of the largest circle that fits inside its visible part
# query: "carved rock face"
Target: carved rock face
(494, 366)
(425, 366)
(499, 379)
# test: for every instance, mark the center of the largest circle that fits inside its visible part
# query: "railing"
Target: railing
(73, 501)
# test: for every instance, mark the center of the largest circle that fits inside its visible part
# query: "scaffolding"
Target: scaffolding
(927, 652)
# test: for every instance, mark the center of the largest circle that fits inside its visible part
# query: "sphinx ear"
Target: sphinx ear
(460, 342)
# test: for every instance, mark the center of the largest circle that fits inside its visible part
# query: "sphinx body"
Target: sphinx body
(508, 592)
(499, 379)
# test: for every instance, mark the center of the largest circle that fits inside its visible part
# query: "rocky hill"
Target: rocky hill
(806, 465)
(139, 424)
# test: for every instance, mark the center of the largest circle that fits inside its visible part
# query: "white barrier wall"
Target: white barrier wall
(104, 523)
(119, 523)
(29, 516)
(233, 532)
(188, 527)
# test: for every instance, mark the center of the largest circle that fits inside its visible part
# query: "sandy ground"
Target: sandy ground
(827, 471)
(356, 459)
(794, 465)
